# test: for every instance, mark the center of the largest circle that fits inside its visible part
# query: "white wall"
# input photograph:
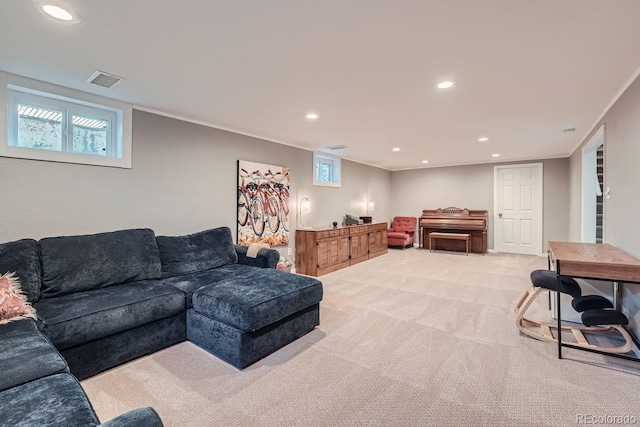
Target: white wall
(472, 187)
(183, 180)
(622, 210)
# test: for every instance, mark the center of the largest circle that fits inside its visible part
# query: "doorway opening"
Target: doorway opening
(593, 176)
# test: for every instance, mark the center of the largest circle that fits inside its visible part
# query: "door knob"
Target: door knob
(499, 215)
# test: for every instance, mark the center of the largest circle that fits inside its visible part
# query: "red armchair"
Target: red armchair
(402, 231)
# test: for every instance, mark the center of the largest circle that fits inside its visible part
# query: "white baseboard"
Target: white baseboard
(494, 251)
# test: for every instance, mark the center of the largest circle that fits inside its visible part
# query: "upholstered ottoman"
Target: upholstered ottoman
(244, 318)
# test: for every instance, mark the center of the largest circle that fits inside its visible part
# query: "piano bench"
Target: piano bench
(449, 236)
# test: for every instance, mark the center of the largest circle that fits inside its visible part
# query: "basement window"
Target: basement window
(52, 126)
(42, 123)
(326, 170)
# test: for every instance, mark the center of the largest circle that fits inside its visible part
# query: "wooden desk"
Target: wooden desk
(592, 261)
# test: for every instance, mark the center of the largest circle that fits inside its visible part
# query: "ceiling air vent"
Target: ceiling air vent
(337, 147)
(100, 78)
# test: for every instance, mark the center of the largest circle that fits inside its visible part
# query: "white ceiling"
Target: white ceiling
(525, 70)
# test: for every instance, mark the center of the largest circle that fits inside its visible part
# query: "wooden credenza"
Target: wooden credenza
(323, 250)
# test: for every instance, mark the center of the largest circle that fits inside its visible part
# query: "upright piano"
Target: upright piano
(455, 220)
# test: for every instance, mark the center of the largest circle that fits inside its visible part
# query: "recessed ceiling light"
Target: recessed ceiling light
(483, 139)
(312, 116)
(396, 149)
(425, 161)
(57, 11)
(446, 84)
(495, 155)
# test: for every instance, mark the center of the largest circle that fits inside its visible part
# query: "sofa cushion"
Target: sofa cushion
(57, 400)
(403, 223)
(189, 283)
(81, 317)
(251, 298)
(141, 417)
(196, 252)
(26, 354)
(397, 235)
(21, 257)
(81, 263)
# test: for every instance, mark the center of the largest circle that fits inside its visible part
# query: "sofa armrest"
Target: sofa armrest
(390, 230)
(410, 231)
(266, 258)
(141, 417)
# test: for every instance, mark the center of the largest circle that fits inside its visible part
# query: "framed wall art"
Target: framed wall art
(263, 204)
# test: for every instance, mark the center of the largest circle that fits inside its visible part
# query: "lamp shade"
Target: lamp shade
(305, 205)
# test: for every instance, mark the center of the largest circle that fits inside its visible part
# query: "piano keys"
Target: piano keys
(454, 220)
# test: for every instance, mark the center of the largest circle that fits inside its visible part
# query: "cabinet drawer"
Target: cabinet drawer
(377, 227)
(359, 229)
(328, 233)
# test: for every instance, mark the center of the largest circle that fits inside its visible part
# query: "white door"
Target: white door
(518, 208)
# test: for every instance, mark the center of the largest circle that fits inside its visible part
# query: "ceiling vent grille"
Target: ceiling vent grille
(100, 78)
(337, 147)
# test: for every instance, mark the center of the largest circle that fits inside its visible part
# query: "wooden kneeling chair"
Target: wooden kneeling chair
(597, 314)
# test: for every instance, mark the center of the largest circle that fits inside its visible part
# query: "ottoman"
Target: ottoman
(242, 319)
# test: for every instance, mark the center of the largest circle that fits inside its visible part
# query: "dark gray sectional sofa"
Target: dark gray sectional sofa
(101, 302)
(108, 298)
(36, 388)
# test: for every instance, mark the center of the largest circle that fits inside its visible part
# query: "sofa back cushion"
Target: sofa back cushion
(80, 263)
(196, 252)
(21, 257)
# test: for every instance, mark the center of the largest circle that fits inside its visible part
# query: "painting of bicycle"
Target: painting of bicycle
(263, 204)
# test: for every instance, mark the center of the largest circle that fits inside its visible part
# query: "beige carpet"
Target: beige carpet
(410, 338)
